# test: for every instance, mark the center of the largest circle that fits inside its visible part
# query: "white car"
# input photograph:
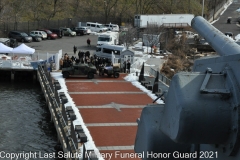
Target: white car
(41, 34)
(88, 31)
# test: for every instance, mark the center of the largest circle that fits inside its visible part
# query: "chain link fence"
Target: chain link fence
(6, 27)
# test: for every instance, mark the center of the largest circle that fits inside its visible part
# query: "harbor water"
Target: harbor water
(25, 122)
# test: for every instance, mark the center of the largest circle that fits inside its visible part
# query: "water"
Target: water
(25, 125)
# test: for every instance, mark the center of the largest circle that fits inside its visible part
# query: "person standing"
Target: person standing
(88, 42)
(61, 63)
(124, 66)
(74, 49)
(128, 66)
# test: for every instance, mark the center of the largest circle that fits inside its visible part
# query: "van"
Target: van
(106, 50)
(96, 27)
(108, 37)
(112, 27)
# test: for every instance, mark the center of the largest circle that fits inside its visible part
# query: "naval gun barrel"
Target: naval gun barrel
(222, 44)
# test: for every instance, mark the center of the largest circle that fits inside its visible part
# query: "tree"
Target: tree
(35, 10)
(151, 36)
(128, 36)
(16, 10)
(108, 8)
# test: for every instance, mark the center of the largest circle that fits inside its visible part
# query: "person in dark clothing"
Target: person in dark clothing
(73, 59)
(69, 62)
(74, 49)
(124, 66)
(77, 61)
(79, 55)
(88, 42)
(128, 66)
(87, 54)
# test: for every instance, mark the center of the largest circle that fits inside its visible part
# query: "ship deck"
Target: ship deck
(110, 108)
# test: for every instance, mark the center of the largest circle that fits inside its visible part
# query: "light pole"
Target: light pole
(202, 8)
(69, 22)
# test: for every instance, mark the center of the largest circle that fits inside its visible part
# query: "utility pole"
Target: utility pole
(189, 4)
(214, 10)
(202, 7)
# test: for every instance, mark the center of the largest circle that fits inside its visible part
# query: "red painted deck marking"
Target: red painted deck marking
(113, 135)
(103, 99)
(110, 115)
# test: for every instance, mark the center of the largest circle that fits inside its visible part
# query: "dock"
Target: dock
(94, 118)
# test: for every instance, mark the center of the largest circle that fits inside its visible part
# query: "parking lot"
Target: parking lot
(65, 44)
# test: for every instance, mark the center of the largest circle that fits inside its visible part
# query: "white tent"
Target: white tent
(23, 49)
(5, 49)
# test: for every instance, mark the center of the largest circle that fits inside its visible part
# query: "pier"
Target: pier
(95, 117)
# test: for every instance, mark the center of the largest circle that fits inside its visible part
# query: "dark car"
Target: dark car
(5, 41)
(79, 31)
(35, 38)
(20, 36)
(230, 34)
(50, 34)
(58, 32)
(9, 42)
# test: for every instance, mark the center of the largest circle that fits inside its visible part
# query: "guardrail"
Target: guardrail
(15, 64)
(72, 138)
(161, 78)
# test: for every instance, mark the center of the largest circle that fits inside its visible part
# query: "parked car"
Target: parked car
(41, 34)
(79, 31)
(57, 31)
(86, 29)
(20, 36)
(35, 38)
(50, 35)
(5, 41)
(11, 42)
(112, 27)
(68, 32)
(229, 34)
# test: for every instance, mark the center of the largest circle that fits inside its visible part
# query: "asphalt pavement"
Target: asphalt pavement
(222, 24)
(65, 44)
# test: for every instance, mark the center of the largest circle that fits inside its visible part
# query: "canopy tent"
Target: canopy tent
(5, 49)
(23, 49)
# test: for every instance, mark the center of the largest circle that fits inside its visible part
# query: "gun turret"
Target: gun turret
(219, 41)
(201, 115)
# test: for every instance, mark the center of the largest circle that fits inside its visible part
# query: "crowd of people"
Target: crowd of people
(85, 57)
